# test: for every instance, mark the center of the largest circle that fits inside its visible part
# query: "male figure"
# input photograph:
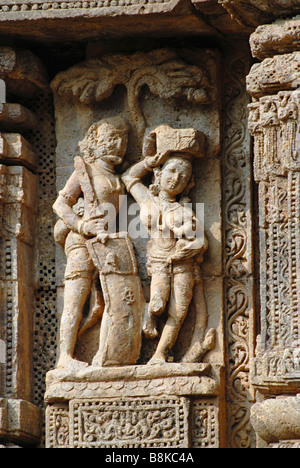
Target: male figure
(95, 180)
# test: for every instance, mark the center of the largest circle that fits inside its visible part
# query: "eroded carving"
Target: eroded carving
(118, 299)
(165, 73)
(177, 237)
(130, 423)
(101, 260)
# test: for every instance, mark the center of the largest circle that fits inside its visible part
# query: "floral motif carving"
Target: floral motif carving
(129, 423)
(238, 284)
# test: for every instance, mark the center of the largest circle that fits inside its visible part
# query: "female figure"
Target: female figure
(177, 238)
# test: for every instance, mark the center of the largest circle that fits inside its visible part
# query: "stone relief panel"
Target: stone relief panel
(129, 423)
(134, 423)
(140, 279)
(131, 90)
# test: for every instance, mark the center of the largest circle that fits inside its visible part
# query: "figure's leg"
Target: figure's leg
(159, 296)
(181, 296)
(200, 343)
(75, 296)
(96, 308)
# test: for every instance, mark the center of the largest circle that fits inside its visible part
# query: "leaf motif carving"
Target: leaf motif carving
(167, 76)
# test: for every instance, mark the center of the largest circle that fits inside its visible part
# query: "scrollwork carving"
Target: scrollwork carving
(238, 284)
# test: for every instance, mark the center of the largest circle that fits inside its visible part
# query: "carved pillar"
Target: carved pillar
(274, 85)
(19, 417)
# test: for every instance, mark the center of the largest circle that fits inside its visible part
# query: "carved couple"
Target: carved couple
(173, 259)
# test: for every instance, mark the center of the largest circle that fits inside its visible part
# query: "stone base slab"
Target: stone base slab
(170, 379)
(19, 422)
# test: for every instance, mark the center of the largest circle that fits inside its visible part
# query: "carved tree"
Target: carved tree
(162, 70)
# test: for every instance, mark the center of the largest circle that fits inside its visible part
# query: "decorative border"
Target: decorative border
(238, 253)
(74, 5)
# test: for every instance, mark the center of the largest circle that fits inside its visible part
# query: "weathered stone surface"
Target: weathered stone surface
(23, 72)
(255, 12)
(64, 18)
(274, 123)
(14, 117)
(169, 97)
(15, 149)
(165, 143)
(280, 37)
(173, 422)
(20, 422)
(274, 74)
(277, 419)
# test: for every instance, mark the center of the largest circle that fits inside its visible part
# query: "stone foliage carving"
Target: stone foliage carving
(129, 423)
(153, 422)
(163, 71)
(238, 254)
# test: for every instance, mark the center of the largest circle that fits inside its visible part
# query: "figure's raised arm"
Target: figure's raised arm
(132, 179)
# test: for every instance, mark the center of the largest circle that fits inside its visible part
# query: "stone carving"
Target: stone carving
(177, 240)
(33, 5)
(117, 375)
(274, 74)
(238, 254)
(274, 123)
(166, 74)
(277, 419)
(129, 423)
(143, 422)
(107, 253)
(205, 427)
(24, 74)
(279, 37)
(58, 435)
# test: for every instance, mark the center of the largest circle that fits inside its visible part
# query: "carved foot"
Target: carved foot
(156, 361)
(68, 363)
(198, 350)
(149, 327)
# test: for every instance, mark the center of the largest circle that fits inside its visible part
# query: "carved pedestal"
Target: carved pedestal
(274, 123)
(172, 405)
